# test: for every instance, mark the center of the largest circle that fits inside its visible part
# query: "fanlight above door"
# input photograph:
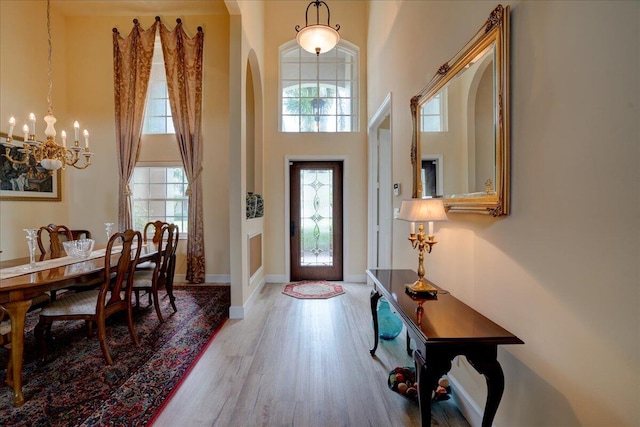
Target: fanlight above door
(460, 144)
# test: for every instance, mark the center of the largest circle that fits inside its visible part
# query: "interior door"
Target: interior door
(316, 220)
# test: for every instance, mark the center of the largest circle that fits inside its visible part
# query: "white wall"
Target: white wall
(561, 271)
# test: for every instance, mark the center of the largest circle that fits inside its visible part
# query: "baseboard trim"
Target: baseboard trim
(276, 278)
(355, 278)
(236, 312)
(239, 312)
(469, 408)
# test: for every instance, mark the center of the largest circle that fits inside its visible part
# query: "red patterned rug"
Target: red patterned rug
(77, 387)
(313, 289)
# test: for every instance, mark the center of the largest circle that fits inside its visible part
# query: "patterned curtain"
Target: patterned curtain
(131, 71)
(183, 65)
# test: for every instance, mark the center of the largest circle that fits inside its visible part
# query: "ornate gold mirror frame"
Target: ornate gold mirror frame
(475, 192)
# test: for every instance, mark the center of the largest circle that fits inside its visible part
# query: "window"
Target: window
(319, 93)
(433, 114)
(159, 194)
(157, 112)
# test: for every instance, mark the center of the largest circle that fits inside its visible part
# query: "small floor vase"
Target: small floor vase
(389, 324)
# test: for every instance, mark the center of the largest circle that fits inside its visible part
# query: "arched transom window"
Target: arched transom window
(319, 93)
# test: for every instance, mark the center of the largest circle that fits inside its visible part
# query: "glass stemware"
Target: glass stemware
(31, 243)
(108, 226)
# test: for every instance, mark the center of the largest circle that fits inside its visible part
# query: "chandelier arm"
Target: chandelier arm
(87, 161)
(23, 161)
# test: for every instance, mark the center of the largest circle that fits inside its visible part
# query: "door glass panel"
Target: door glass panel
(316, 217)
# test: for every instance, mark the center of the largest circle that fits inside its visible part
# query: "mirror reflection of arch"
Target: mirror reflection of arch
(457, 128)
(319, 93)
(473, 151)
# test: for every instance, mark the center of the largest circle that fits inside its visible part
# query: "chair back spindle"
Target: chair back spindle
(57, 234)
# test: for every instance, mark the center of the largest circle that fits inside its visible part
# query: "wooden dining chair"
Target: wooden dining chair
(97, 305)
(57, 234)
(162, 275)
(154, 230)
(81, 234)
(5, 341)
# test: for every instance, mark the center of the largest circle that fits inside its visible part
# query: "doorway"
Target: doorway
(380, 229)
(316, 221)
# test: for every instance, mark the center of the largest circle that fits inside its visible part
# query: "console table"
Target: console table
(442, 329)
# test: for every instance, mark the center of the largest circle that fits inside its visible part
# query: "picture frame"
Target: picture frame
(26, 182)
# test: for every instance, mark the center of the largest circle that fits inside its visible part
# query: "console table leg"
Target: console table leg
(375, 296)
(409, 351)
(428, 373)
(487, 364)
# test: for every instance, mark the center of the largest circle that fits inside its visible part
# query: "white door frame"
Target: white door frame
(287, 208)
(374, 253)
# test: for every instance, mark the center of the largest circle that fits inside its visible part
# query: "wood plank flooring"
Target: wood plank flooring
(294, 362)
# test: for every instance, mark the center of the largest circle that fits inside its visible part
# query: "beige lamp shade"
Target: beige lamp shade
(422, 210)
(317, 38)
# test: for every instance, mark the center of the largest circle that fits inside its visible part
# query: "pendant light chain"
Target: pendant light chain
(49, 77)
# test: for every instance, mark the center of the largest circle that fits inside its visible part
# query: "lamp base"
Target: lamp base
(422, 288)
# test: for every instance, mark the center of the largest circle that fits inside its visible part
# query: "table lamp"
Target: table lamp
(420, 211)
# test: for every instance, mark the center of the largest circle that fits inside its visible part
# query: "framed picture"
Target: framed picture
(29, 182)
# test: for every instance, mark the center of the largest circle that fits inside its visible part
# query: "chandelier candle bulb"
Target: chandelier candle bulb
(12, 124)
(76, 129)
(63, 134)
(86, 139)
(25, 130)
(32, 124)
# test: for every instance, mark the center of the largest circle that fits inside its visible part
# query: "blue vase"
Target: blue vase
(389, 324)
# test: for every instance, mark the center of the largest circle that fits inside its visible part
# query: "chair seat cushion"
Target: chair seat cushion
(5, 327)
(142, 279)
(40, 299)
(79, 303)
(149, 265)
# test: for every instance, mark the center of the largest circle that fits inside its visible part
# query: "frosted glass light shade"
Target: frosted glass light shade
(317, 38)
(422, 210)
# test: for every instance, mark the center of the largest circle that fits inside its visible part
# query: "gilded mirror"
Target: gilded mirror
(460, 144)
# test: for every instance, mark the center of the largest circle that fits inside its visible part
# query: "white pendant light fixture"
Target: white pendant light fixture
(317, 38)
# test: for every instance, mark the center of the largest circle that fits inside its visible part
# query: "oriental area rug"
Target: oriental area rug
(77, 388)
(312, 289)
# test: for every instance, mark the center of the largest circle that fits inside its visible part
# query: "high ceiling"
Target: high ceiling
(138, 8)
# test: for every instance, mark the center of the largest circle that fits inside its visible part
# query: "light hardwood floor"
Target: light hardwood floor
(295, 362)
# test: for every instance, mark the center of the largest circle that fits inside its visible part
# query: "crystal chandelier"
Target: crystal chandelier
(49, 154)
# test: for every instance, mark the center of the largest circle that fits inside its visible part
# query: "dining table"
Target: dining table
(20, 284)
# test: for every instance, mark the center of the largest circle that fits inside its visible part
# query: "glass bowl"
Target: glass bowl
(79, 248)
